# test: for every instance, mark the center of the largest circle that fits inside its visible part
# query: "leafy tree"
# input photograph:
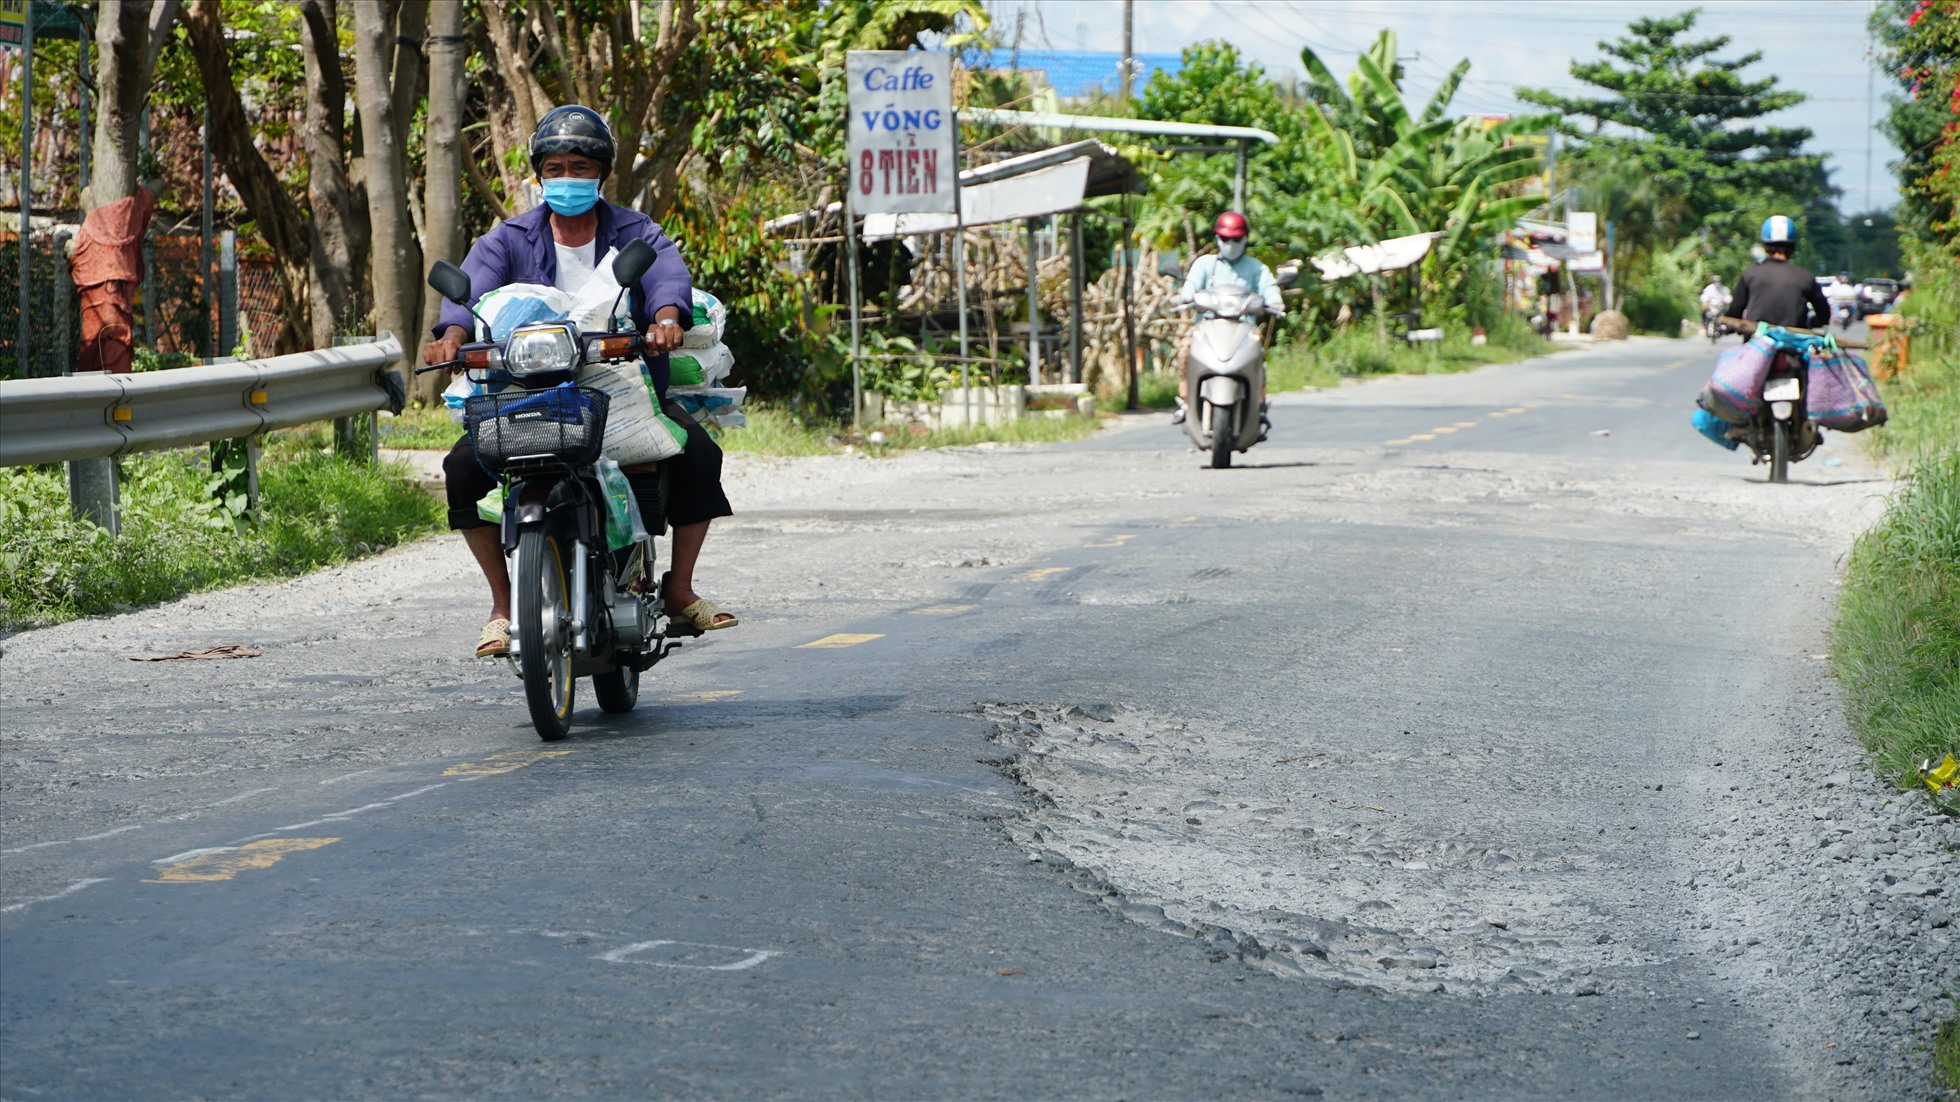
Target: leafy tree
(1920, 49)
(1690, 121)
(1218, 87)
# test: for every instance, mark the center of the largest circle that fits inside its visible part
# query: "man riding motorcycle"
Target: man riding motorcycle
(1776, 290)
(560, 244)
(1229, 268)
(1715, 298)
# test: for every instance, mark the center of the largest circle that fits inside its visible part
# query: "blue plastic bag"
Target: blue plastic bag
(1713, 427)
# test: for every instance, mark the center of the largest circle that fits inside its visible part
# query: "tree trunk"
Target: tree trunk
(395, 261)
(338, 231)
(407, 80)
(122, 83)
(443, 162)
(279, 218)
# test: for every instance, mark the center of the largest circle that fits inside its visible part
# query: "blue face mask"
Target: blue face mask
(571, 196)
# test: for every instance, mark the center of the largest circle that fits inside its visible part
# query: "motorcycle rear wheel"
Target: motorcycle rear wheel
(1221, 437)
(544, 633)
(1779, 452)
(618, 690)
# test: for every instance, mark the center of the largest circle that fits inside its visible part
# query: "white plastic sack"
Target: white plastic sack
(510, 306)
(710, 319)
(699, 366)
(716, 405)
(596, 296)
(635, 432)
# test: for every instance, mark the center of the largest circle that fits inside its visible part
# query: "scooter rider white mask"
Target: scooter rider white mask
(1231, 248)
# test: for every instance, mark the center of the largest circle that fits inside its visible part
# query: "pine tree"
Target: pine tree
(1690, 121)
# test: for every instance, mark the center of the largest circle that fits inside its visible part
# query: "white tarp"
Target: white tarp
(899, 133)
(1386, 256)
(1044, 191)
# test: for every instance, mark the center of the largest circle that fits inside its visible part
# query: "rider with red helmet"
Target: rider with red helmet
(1229, 267)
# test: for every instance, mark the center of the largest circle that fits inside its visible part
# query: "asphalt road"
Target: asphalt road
(1459, 670)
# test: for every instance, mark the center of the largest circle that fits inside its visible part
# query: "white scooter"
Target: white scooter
(1226, 374)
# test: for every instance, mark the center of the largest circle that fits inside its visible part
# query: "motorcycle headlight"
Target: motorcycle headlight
(537, 349)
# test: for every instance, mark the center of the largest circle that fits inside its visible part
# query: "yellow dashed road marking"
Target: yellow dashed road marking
(1498, 413)
(702, 697)
(941, 610)
(1423, 436)
(1466, 424)
(225, 864)
(1183, 520)
(831, 642)
(1442, 430)
(1570, 397)
(507, 762)
(1040, 573)
(1396, 443)
(1517, 409)
(1113, 541)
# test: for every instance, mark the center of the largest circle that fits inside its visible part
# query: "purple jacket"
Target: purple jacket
(520, 251)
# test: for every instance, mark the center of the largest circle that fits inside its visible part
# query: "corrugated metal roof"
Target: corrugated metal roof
(1076, 73)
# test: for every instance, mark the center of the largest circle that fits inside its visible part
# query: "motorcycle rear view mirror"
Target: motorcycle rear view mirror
(632, 262)
(1288, 274)
(450, 282)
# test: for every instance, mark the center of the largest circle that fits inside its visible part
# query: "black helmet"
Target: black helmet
(572, 129)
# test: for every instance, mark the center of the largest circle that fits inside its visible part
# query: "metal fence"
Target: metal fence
(181, 311)
(96, 415)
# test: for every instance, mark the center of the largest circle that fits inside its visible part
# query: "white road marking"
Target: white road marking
(193, 813)
(353, 811)
(190, 853)
(755, 957)
(69, 890)
(350, 776)
(72, 841)
(235, 799)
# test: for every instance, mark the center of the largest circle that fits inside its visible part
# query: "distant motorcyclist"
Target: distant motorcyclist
(1776, 290)
(1228, 269)
(1715, 297)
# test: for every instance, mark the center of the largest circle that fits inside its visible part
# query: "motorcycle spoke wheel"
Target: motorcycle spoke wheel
(1779, 452)
(545, 633)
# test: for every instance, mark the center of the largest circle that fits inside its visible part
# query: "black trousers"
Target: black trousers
(694, 492)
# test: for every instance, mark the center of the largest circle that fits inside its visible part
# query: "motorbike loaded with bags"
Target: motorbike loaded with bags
(578, 532)
(1779, 389)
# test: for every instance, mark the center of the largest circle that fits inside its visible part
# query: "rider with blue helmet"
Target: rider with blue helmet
(1776, 290)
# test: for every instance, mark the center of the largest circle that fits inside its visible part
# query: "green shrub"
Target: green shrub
(315, 510)
(1659, 309)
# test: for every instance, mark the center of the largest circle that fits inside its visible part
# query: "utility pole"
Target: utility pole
(1128, 65)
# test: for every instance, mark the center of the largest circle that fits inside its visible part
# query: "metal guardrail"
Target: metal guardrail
(95, 415)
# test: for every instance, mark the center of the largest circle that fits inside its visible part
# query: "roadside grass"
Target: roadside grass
(424, 427)
(1947, 1051)
(1896, 644)
(316, 510)
(781, 433)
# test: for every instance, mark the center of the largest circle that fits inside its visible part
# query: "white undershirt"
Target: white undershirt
(576, 263)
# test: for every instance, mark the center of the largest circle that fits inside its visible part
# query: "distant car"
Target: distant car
(1875, 296)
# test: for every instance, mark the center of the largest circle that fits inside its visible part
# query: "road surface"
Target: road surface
(1463, 742)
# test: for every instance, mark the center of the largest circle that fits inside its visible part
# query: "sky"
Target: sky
(1818, 47)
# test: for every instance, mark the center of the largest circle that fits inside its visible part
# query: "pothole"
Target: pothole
(1215, 835)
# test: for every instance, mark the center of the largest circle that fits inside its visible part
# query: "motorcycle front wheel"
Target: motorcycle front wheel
(1221, 437)
(544, 633)
(1779, 452)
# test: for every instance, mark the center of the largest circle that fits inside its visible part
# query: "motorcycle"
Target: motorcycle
(1711, 322)
(1226, 374)
(1781, 432)
(579, 607)
(1844, 313)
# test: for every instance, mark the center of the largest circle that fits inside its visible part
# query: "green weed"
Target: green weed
(176, 539)
(424, 427)
(777, 432)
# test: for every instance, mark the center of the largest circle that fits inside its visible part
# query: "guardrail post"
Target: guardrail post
(92, 494)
